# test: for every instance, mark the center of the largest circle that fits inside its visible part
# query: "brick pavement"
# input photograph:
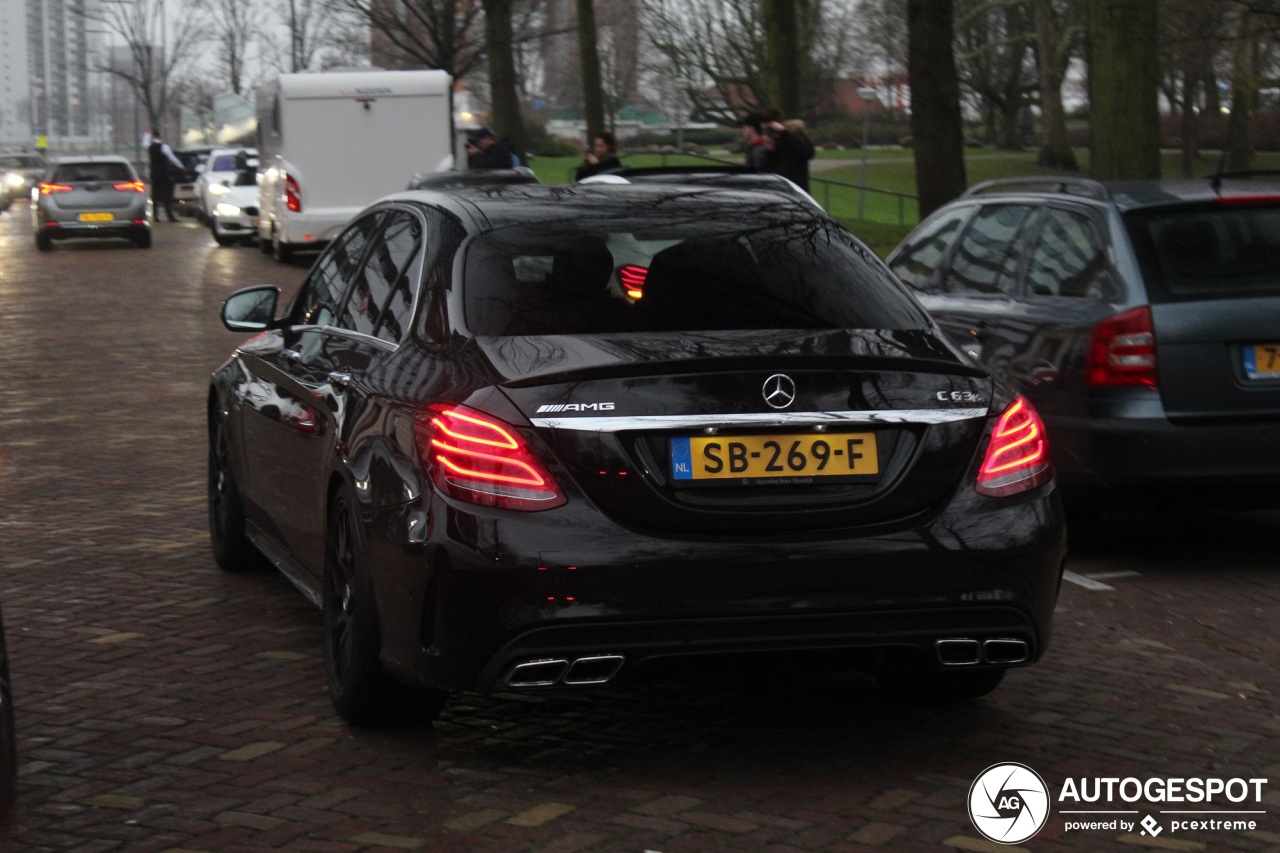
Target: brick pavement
(164, 705)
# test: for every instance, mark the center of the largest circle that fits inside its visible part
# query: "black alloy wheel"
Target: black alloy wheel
(351, 641)
(231, 547)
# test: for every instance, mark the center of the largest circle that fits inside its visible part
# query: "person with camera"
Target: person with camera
(600, 158)
(788, 149)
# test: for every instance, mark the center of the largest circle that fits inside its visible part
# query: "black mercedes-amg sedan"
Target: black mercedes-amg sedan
(533, 437)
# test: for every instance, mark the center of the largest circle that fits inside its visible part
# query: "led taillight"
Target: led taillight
(131, 187)
(1122, 352)
(632, 278)
(292, 194)
(1017, 457)
(482, 460)
(46, 189)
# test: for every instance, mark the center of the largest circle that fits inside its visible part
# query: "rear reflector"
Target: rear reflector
(1017, 457)
(1122, 352)
(481, 460)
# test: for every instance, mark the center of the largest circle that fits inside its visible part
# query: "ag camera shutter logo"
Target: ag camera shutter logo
(1008, 803)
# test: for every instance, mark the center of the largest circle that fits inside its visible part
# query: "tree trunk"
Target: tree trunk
(1055, 148)
(508, 124)
(1240, 149)
(936, 127)
(592, 91)
(1124, 78)
(1190, 123)
(782, 61)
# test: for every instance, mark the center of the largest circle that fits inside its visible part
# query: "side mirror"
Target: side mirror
(252, 309)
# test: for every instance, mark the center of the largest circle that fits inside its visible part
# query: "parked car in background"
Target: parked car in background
(185, 190)
(98, 196)
(234, 218)
(530, 437)
(8, 737)
(18, 174)
(218, 174)
(1142, 319)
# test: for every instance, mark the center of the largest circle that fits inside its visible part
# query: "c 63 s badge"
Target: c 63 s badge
(960, 397)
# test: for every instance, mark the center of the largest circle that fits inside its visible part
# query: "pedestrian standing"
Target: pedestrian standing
(789, 148)
(753, 134)
(484, 151)
(164, 166)
(601, 157)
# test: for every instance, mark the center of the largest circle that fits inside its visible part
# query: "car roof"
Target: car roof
(499, 206)
(1134, 194)
(69, 159)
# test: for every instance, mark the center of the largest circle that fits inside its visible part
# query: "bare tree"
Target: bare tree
(159, 49)
(235, 24)
(1191, 37)
(505, 115)
(936, 128)
(592, 91)
(319, 34)
(443, 34)
(1059, 35)
(1124, 76)
(994, 41)
(782, 54)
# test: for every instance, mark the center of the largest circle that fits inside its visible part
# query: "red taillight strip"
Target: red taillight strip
(46, 189)
(532, 478)
(131, 186)
(1247, 200)
(504, 439)
(633, 278)
(1017, 457)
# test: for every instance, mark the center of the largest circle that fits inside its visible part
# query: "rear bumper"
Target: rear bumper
(1131, 454)
(125, 229)
(488, 594)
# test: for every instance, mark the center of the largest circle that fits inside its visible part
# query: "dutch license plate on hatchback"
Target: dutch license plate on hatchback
(97, 217)
(1262, 361)
(774, 457)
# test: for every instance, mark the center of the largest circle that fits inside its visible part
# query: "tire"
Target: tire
(362, 692)
(43, 243)
(940, 686)
(264, 246)
(143, 240)
(223, 239)
(280, 250)
(232, 549)
(351, 640)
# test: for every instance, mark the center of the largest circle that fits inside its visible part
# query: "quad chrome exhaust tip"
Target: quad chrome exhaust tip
(966, 651)
(578, 672)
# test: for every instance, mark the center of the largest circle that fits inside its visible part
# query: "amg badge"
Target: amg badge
(575, 407)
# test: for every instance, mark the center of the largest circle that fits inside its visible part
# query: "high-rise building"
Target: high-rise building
(15, 124)
(60, 50)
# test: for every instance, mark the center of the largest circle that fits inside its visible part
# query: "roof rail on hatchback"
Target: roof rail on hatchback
(1071, 186)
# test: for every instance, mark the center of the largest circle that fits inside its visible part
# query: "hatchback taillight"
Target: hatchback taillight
(47, 189)
(131, 187)
(1017, 457)
(292, 194)
(481, 460)
(1122, 352)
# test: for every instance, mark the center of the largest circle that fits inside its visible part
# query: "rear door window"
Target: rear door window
(986, 259)
(1069, 259)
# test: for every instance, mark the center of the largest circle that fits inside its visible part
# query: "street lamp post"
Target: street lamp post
(866, 93)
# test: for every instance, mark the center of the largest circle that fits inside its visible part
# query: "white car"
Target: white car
(219, 172)
(234, 217)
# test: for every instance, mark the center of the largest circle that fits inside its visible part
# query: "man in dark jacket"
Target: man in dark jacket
(164, 165)
(788, 151)
(486, 152)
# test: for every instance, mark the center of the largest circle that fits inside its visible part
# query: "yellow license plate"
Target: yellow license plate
(756, 457)
(1262, 361)
(97, 217)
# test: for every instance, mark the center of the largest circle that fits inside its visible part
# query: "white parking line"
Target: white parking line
(1087, 583)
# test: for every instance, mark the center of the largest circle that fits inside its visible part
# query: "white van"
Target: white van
(332, 142)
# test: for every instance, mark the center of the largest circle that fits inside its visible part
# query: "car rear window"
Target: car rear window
(72, 173)
(808, 274)
(1224, 250)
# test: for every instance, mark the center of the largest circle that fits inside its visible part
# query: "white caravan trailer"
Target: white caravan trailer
(332, 142)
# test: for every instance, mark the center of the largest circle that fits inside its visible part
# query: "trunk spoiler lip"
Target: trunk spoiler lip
(621, 423)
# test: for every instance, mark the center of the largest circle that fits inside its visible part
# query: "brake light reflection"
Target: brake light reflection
(633, 278)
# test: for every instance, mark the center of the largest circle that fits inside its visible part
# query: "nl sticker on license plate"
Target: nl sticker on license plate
(1262, 361)
(799, 457)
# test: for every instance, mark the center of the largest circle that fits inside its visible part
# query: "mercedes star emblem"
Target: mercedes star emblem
(779, 391)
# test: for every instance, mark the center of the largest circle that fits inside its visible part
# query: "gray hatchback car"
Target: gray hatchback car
(1141, 319)
(91, 196)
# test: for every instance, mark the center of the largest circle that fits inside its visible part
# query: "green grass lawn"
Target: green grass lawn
(887, 206)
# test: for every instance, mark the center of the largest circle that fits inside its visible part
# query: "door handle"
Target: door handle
(339, 378)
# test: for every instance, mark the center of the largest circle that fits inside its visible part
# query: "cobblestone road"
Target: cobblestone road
(164, 705)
